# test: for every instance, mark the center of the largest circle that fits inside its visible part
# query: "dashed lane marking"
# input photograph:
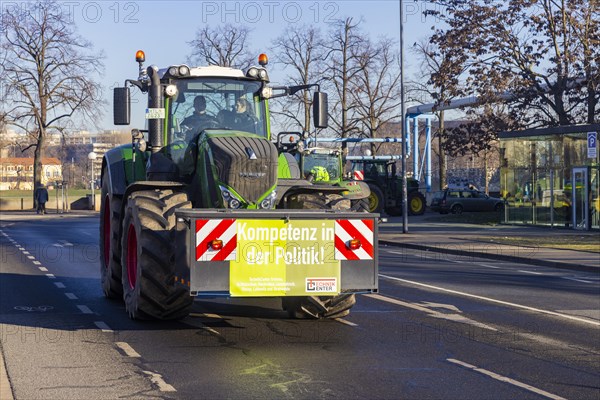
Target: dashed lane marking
(530, 272)
(59, 285)
(71, 296)
(345, 322)
(50, 276)
(505, 303)
(26, 253)
(127, 349)
(43, 269)
(84, 309)
(103, 326)
(158, 380)
(508, 380)
(488, 266)
(206, 315)
(37, 263)
(576, 279)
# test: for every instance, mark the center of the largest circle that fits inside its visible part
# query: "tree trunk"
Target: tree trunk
(37, 162)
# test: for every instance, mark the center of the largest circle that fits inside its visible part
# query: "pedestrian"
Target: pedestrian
(41, 198)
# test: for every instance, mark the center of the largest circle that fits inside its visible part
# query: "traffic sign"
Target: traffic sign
(592, 145)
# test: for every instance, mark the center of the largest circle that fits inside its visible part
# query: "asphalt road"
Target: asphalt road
(440, 328)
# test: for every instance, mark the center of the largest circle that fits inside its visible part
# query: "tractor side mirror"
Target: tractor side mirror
(121, 106)
(320, 110)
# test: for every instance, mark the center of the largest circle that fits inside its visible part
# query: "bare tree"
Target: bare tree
(440, 83)
(543, 52)
(47, 71)
(376, 88)
(342, 53)
(300, 49)
(226, 46)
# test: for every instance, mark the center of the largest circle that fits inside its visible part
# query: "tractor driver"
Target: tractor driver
(199, 120)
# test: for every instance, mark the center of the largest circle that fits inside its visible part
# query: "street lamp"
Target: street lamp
(403, 125)
(92, 157)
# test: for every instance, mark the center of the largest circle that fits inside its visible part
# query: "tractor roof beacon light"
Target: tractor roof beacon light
(140, 56)
(263, 59)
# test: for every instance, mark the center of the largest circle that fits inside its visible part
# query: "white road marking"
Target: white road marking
(31, 257)
(84, 309)
(576, 280)
(506, 303)
(71, 296)
(207, 315)
(50, 276)
(103, 326)
(43, 269)
(158, 380)
(530, 272)
(26, 253)
(343, 321)
(37, 263)
(441, 305)
(59, 285)
(488, 266)
(432, 313)
(127, 349)
(502, 378)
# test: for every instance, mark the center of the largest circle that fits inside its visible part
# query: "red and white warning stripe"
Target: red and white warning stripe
(208, 230)
(358, 175)
(354, 229)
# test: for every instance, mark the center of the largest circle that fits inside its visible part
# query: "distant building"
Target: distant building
(17, 172)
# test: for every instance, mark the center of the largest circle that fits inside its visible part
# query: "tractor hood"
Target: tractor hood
(245, 163)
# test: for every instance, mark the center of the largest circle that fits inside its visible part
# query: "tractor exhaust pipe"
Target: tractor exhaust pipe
(155, 100)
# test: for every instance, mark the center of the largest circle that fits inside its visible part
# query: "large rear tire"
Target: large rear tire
(110, 241)
(416, 203)
(376, 199)
(320, 306)
(148, 254)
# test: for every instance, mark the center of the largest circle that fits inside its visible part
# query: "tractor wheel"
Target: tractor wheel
(360, 205)
(319, 306)
(148, 253)
(416, 203)
(110, 242)
(376, 199)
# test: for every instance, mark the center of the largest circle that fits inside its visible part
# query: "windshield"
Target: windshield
(328, 161)
(217, 104)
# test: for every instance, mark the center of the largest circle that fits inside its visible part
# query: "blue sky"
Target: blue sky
(164, 28)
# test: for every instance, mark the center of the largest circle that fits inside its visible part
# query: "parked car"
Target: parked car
(458, 200)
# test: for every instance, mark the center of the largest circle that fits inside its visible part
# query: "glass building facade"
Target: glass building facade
(551, 176)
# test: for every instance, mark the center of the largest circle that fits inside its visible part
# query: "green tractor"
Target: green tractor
(202, 203)
(323, 166)
(386, 187)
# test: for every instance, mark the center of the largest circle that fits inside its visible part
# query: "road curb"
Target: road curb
(5, 387)
(492, 256)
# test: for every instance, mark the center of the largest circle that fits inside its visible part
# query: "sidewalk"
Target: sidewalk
(469, 240)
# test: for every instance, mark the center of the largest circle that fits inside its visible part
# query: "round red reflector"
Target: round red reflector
(215, 244)
(354, 244)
